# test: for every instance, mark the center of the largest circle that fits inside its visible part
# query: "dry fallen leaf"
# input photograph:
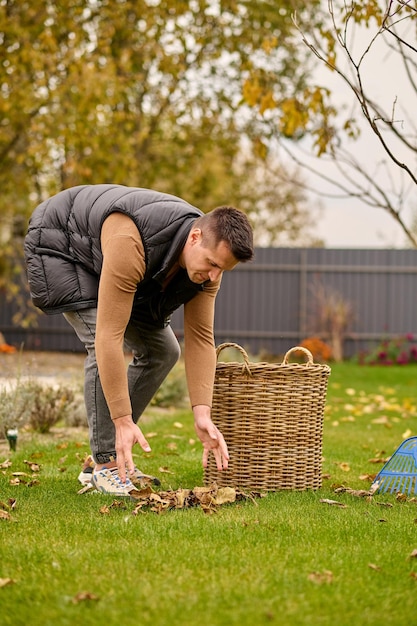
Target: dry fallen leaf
(4, 515)
(333, 503)
(5, 464)
(6, 581)
(368, 477)
(34, 467)
(381, 420)
(359, 493)
(374, 567)
(413, 555)
(345, 467)
(413, 575)
(83, 596)
(224, 495)
(326, 576)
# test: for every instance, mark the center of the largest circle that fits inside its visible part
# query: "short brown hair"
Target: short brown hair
(225, 223)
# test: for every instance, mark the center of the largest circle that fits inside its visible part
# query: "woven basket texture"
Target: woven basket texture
(271, 416)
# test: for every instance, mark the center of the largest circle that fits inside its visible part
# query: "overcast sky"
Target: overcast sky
(350, 223)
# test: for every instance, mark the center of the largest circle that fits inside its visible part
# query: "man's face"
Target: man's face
(205, 262)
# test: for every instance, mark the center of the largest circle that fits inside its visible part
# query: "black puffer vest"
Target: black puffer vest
(64, 258)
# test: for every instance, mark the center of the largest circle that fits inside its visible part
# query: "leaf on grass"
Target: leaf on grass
(164, 470)
(225, 495)
(333, 503)
(382, 420)
(379, 459)
(6, 581)
(17, 481)
(10, 504)
(177, 425)
(413, 555)
(413, 575)
(5, 464)
(368, 477)
(84, 596)
(374, 567)
(116, 504)
(345, 467)
(5, 515)
(401, 497)
(34, 467)
(389, 505)
(319, 578)
(359, 493)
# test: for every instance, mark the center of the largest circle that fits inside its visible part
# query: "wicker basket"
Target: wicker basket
(271, 416)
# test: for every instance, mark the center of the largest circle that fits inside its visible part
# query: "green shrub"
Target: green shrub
(29, 403)
(15, 405)
(49, 406)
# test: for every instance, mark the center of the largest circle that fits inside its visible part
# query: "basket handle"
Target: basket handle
(299, 349)
(243, 352)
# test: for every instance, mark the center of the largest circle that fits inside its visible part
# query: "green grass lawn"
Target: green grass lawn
(285, 559)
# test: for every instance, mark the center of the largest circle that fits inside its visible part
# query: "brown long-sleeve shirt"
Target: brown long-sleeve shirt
(123, 268)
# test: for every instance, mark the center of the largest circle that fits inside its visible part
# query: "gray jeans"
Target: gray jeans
(154, 353)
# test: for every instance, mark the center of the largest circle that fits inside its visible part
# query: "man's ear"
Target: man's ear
(195, 235)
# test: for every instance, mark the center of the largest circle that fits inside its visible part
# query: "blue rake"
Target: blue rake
(399, 474)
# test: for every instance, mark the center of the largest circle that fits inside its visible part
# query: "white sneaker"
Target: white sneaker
(109, 482)
(138, 478)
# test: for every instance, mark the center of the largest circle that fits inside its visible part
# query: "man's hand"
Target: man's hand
(127, 434)
(211, 437)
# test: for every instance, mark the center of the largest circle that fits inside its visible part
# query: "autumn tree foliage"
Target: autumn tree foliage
(154, 93)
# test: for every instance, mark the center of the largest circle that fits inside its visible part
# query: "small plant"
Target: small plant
(49, 406)
(400, 350)
(320, 350)
(333, 316)
(15, 405)
(27, 402)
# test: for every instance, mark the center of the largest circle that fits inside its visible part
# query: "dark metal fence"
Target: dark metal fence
(271, 304)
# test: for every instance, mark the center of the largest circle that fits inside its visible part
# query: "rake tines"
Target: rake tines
(399, 474)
